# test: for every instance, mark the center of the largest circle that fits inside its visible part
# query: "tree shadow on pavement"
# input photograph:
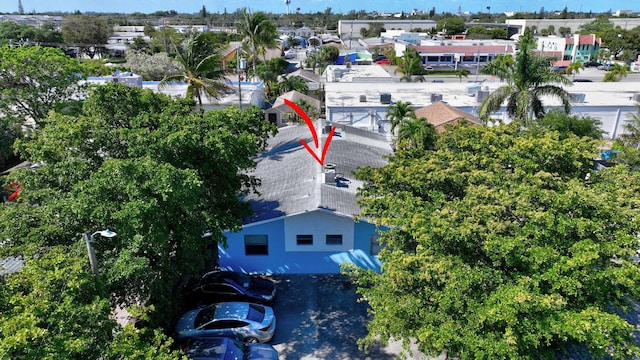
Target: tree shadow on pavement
(319, 317)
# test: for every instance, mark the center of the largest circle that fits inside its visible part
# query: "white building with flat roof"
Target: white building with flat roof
(364, 104)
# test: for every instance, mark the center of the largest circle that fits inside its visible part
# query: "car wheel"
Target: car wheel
(251, 339)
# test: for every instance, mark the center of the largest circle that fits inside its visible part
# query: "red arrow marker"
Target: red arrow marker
(309, 123)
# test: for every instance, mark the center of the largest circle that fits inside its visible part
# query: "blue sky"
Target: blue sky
(337, 6)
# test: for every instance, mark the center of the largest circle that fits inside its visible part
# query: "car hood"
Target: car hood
(262, 352)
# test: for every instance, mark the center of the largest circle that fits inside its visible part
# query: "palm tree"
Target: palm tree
(397, 112)
(631, 136)
(288, 83)
(502, 67)
(617, 72)
(462, 72)
(574, 68)
(201, 68)
(528, 80)
(410, 66)
(416, 133)
(259, 33)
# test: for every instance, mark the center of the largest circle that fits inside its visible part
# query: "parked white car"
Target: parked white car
(246, 322)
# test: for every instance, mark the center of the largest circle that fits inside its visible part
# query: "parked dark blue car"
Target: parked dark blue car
(219, 286)
(220, 348)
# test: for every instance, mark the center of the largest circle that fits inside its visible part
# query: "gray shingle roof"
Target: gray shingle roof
(293, 182)
(10, 265)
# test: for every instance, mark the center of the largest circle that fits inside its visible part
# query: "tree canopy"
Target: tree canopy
(87, 32)
(35, 80)
(150, 169)
(500, 247)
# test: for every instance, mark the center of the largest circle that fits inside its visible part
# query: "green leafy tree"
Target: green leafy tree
(150, 169)
(452, 24)
(529, 78)
(54, 309)
(259, 33)
(9, 132)
(201, 69)
(133, 342)
(152, 67)
(47, 34)
(89, 33)
(566, 124)
(35, 80)
(499, 248)
(269, 71)
(497, 33)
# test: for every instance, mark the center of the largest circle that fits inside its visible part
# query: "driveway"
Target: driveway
(318, 317)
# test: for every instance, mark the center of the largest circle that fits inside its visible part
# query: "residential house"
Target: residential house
(281, 114)
(312, 79)
(440, 114)
(305, 214)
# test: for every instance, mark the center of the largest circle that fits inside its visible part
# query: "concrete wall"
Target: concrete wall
(285, 257)
(573, 24)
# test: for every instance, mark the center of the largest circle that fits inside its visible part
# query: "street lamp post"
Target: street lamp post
(242, 64)
(88, 237)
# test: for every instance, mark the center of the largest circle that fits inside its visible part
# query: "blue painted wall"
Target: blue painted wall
(280, 261)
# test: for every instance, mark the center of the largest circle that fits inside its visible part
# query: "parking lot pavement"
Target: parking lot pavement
(319, 317)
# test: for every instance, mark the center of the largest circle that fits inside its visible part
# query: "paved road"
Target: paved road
(318, 317)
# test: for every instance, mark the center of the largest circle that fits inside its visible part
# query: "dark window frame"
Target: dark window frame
(304, 239)
(256, 245)
(336, 239)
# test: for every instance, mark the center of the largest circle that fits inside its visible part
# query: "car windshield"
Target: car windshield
(241, 279)
(204, 316)
(256, 313)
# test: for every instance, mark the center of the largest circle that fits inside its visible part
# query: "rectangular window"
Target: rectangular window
(256, 245)
(375, 245)
(304, 239)
(334, 239)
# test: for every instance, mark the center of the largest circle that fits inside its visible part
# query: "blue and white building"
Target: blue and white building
(305, 216)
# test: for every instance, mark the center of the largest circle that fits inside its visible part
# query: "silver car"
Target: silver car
(247, 322)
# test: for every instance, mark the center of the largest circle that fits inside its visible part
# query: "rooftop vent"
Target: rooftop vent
(481, 95)
(329, 173)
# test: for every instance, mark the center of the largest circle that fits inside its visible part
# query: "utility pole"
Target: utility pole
(240, 67)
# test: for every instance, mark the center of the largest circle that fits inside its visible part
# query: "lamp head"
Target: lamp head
(106, 233)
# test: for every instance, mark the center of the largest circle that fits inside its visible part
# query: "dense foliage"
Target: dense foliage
(150, 169)
(35, 80)
(501, 248)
